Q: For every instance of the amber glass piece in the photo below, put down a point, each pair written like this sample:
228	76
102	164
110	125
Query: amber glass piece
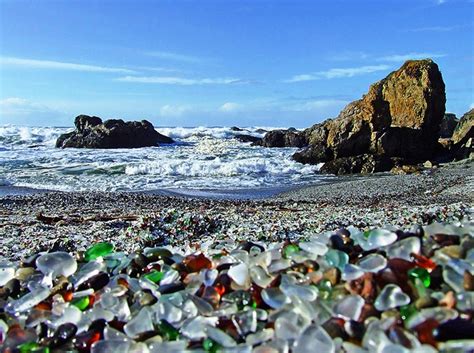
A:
196	263
425	332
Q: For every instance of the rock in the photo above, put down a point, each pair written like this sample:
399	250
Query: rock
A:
312	153
318	133
284	138
363	164
405	169
463	136
465	128
248	138
447	126
235	128
410	144
91	132
82	122
398	118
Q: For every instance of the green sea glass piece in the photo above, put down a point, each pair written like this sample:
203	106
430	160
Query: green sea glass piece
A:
407	311
154	276
325	288
32	347
421	274
210	346
97	250
168	331
289	250
81	303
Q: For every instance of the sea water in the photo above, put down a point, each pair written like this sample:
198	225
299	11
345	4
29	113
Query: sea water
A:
201	158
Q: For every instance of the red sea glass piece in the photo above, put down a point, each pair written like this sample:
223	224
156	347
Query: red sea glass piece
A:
68	295
423	261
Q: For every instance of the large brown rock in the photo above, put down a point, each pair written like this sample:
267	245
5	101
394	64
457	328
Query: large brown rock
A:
399	117
91	132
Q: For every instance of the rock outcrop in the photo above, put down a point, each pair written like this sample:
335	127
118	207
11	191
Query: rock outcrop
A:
464	129
463	137
448	125
284	138
91	132
397	121
248	138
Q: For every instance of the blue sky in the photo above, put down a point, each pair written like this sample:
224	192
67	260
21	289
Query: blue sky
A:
189	63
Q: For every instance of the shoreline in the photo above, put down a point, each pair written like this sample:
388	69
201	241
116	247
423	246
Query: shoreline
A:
326	253
37	222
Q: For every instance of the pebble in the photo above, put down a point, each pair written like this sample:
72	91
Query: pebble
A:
223	296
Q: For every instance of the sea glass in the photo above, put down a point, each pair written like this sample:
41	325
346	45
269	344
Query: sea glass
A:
98	250
56	264
391	296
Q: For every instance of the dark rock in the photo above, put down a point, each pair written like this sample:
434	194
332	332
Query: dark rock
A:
463	137
235	128
248	138
91	132
464	129
313	154
363	164
405	143
284	138
447	126
83	122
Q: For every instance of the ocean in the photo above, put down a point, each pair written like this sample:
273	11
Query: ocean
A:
203	159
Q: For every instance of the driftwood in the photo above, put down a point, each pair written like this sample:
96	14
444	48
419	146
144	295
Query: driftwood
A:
51	220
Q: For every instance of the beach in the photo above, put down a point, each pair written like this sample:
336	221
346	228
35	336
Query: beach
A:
362	264
36	222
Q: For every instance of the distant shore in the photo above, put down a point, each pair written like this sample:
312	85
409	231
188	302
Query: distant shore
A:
40	221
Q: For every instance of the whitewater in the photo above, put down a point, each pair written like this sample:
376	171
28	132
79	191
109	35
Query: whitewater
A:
202	158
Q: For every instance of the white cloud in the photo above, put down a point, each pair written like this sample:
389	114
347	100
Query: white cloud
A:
15	106
170	80
15	110
339	73
169	110
410	56
175	56
58	65
229	107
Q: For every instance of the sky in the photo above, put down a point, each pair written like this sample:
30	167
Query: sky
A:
221	62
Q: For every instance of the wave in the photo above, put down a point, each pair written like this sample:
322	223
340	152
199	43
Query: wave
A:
206	158
17	136
184	133
218	167
12	136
